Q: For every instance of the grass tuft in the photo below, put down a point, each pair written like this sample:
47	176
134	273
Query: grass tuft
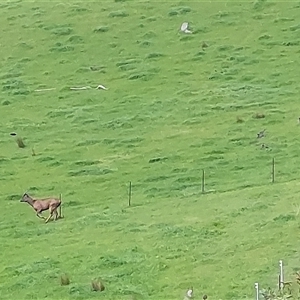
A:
75	39
91	171
60	31
64	279
97	285
60	47
20	142
101	29
154	55
179	10
5	102
239	120
118	14
157	159
259	116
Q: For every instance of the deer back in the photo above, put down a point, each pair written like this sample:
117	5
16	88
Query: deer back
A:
44	204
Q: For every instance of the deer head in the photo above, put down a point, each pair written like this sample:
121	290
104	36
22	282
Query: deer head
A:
25	198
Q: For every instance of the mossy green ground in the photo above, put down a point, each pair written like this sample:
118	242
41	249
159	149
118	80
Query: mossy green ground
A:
168	97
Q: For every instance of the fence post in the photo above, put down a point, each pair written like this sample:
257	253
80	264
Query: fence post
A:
60	216
273	170
129	194
281	279
203	182
256	291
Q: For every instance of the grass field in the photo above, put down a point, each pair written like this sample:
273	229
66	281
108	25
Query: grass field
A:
173	108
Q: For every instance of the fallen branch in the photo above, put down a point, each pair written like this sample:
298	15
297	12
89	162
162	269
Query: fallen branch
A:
80	88
43	90
100	86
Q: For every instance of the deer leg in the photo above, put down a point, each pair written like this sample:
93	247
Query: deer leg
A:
56	214
51	210
49	217
40	216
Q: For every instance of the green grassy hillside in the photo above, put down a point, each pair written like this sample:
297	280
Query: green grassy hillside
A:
175	104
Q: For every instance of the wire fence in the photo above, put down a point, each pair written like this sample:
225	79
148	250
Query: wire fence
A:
223	177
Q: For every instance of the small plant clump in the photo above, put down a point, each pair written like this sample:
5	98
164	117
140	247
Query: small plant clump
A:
64	280
239	120
97	285
20	142
259	116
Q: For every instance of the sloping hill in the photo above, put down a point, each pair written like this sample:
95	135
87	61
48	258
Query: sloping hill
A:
176	104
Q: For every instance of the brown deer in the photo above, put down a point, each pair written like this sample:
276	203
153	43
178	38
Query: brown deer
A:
40	205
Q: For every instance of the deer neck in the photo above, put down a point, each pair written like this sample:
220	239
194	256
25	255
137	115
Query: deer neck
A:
30	201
